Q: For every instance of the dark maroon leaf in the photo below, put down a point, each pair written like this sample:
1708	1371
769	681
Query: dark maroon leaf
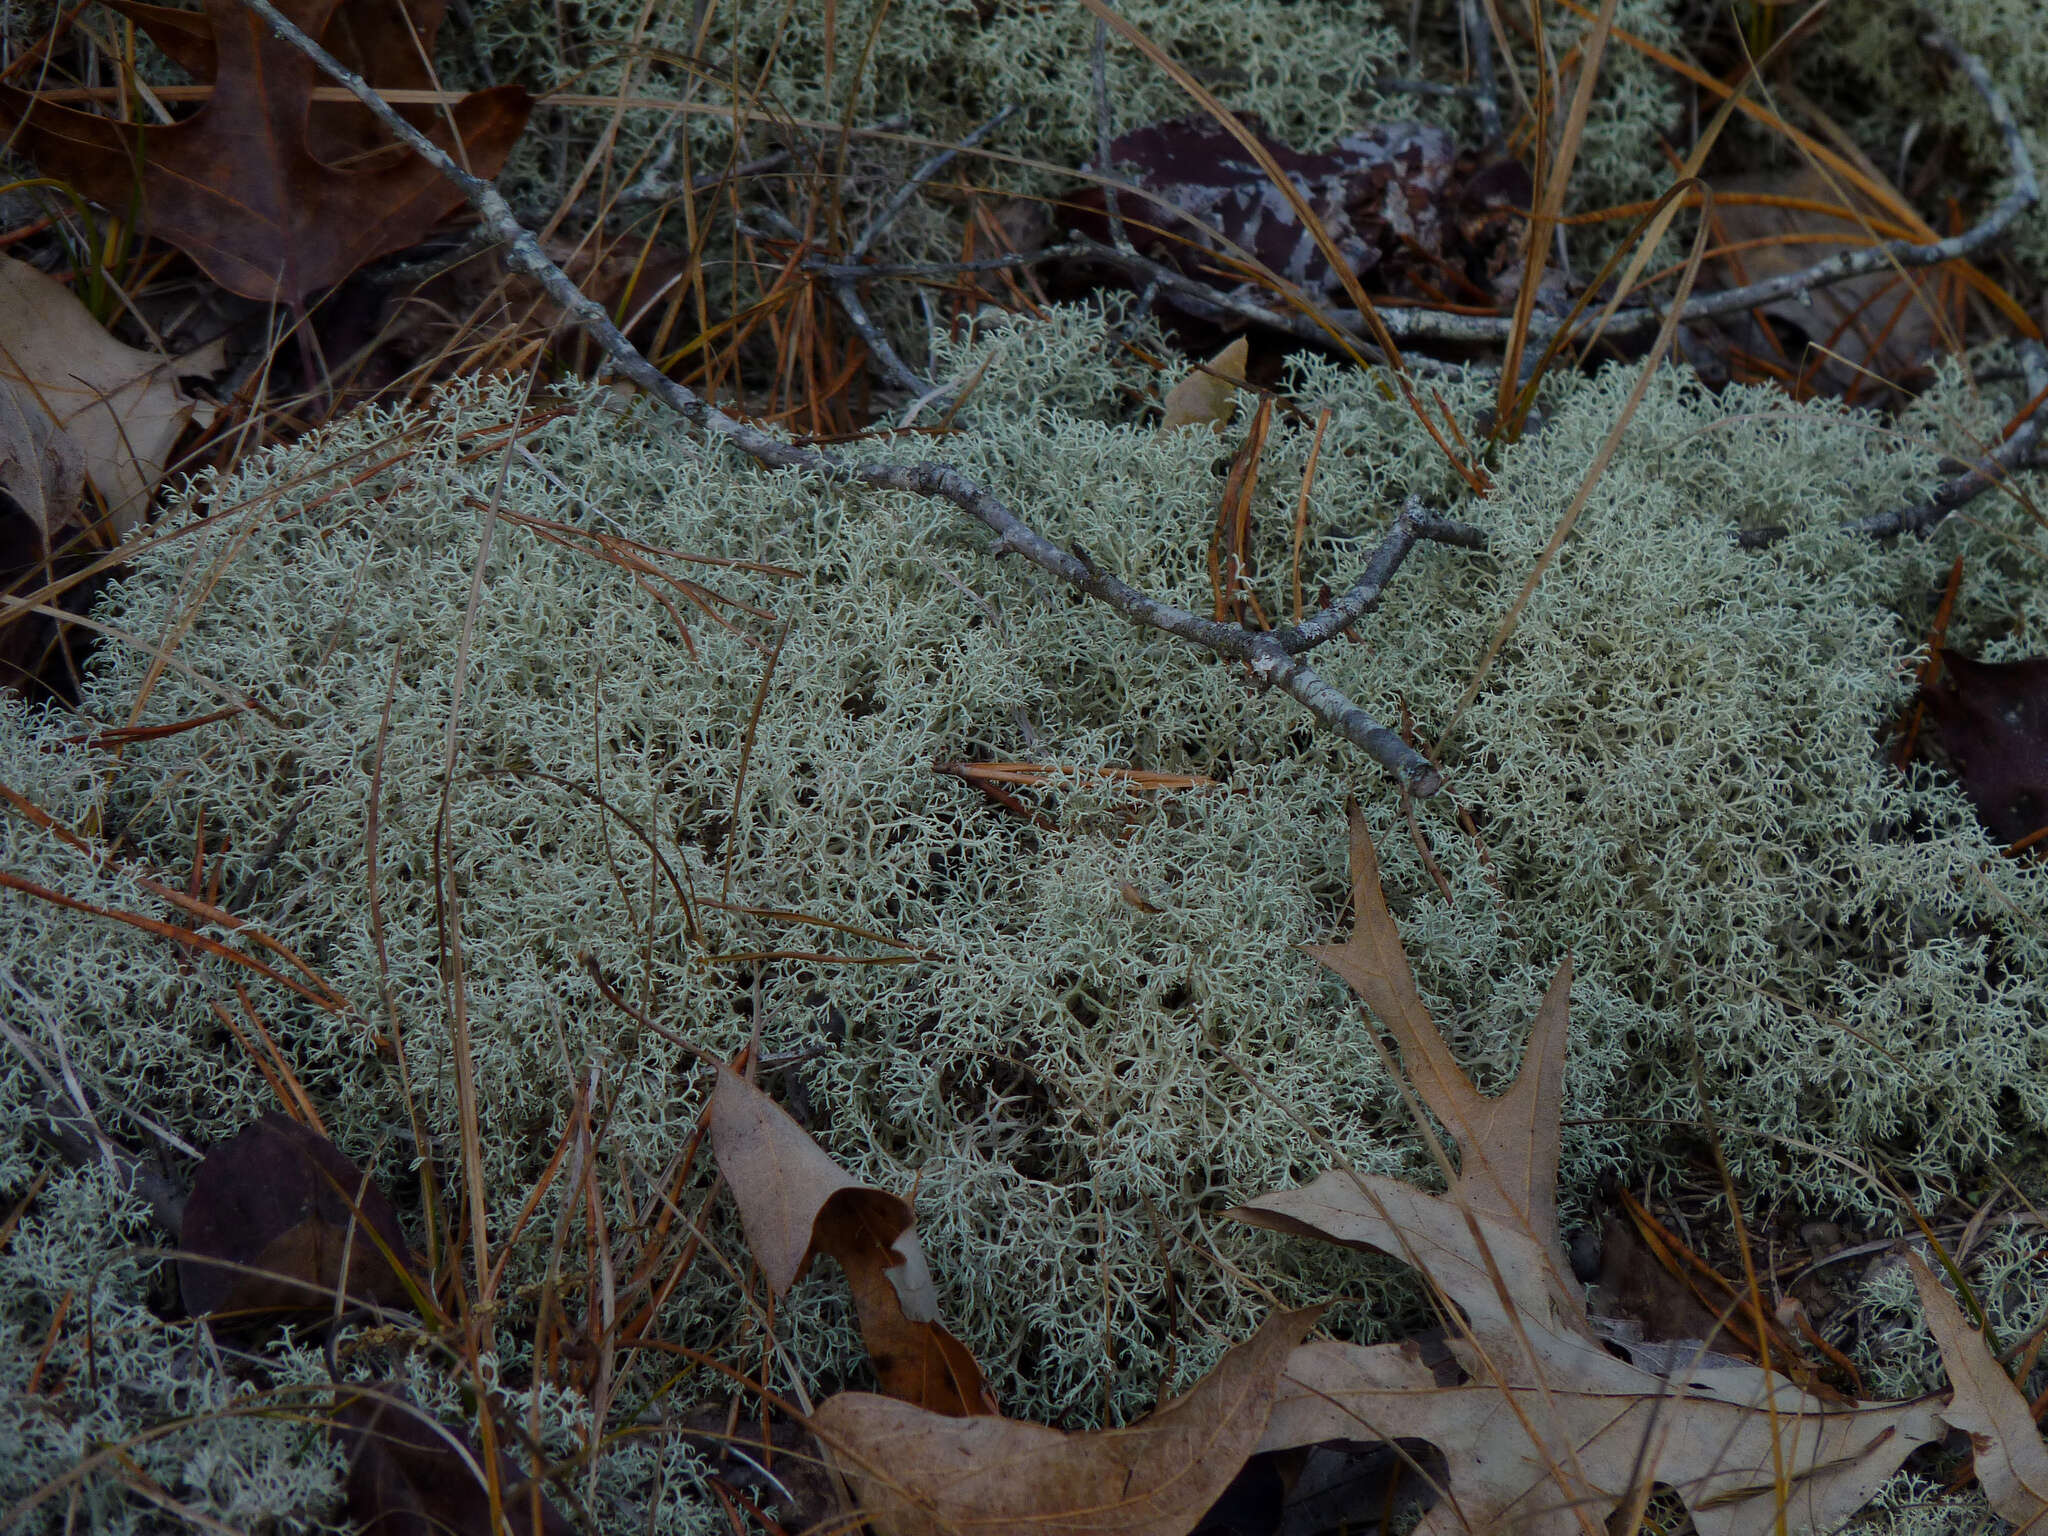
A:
409	1475
273	1211
1989	721
1395	199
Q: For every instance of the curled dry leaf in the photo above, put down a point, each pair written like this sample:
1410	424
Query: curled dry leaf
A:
41	470
2012	1463
1206	396
921	1474
1549	1432
795	1201
275	1212
277	198
121	408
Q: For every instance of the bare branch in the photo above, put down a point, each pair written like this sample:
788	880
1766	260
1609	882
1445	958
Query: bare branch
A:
1410	528
847	292
1105	128
1486	91
1994	469
1428	325
893	209
2016	453
1263	654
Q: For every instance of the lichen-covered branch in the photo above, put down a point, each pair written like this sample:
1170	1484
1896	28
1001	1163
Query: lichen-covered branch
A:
1267	659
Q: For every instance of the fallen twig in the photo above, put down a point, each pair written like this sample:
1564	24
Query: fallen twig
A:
1105	131
1430	325
847	276
1263	654
1485	91
2015	453
893	209
1411	527
2018	452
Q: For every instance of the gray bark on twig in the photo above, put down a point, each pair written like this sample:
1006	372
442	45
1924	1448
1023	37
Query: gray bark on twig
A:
1262	653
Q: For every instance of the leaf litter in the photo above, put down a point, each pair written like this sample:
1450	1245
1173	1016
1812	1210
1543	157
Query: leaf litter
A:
274	195
282	1223
1988	721
795	1202
2011	1461
411	1476
1549	1432
1540	1421
278	1216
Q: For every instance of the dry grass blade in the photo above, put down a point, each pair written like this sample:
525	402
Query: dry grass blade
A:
1555	179
1595	471
1229	547
919	1474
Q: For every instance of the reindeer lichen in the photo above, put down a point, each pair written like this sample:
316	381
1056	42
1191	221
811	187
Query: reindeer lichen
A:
1076	1038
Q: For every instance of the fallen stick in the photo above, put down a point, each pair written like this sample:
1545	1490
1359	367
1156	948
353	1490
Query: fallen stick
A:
1268	660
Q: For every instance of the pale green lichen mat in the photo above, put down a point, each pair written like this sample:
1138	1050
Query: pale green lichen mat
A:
1675	772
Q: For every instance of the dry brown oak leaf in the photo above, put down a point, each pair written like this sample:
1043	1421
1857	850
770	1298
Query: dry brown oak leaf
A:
795	1202
920	1474
2011	1461
98	410
1548	1433
275	196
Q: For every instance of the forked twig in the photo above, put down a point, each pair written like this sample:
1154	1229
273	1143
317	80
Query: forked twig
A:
1270	662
